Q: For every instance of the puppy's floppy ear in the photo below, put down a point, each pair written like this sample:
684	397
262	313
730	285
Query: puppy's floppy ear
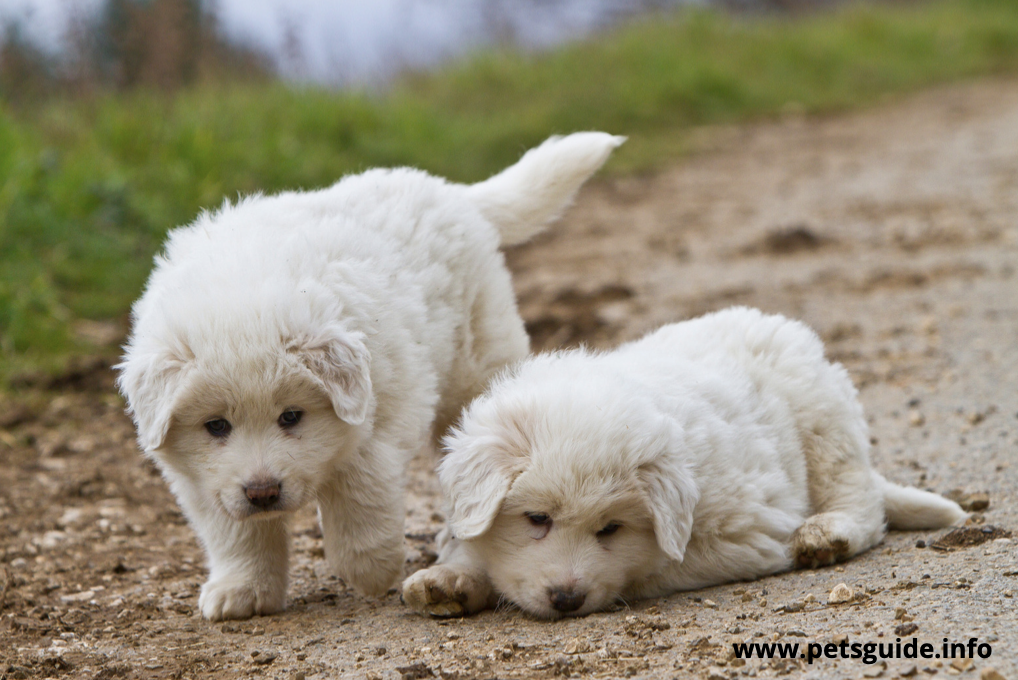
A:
672	495
476	474
340	364
152	384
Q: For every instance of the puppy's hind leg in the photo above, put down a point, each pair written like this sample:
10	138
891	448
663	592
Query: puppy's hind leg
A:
456	586
848	504
846	498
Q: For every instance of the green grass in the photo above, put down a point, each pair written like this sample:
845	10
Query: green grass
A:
88	188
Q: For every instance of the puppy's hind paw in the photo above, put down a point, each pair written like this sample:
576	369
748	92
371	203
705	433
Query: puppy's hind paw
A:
225	599
446	591
815	545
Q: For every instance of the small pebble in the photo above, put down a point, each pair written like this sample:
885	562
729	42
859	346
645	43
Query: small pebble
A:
505	652
976	502
840	594
990	674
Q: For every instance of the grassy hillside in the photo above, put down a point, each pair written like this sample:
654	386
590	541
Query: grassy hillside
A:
88	188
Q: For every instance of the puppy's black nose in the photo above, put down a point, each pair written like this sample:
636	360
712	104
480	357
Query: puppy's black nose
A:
262	494
566	599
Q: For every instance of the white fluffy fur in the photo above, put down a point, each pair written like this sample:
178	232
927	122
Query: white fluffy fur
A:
376	307
724	448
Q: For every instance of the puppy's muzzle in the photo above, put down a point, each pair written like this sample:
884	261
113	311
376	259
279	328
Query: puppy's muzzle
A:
566	600
263	495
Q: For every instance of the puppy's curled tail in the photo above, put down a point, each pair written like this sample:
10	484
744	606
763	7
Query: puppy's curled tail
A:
909	508
524	198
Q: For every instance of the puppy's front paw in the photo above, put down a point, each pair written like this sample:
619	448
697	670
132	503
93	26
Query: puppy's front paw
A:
445	591
815	544
225	599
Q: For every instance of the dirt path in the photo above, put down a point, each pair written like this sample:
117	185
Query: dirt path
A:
894	233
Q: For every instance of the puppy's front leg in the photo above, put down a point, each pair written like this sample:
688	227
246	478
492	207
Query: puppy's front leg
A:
361	512
248	563
457	585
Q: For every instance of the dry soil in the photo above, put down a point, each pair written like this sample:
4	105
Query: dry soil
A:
893	232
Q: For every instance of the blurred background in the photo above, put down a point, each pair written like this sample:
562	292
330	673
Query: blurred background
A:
120	119
337	44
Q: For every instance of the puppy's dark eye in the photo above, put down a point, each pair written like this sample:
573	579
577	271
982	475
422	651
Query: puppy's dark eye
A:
609	529
289	417
218	427
538	519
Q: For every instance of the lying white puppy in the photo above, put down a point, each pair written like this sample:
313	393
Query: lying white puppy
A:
302	347
715	450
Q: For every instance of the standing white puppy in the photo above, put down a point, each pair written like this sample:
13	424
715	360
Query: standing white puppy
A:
719	449
302	347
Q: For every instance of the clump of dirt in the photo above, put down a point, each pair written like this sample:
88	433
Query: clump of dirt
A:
795	238
13	415
83	374
968	537
573	317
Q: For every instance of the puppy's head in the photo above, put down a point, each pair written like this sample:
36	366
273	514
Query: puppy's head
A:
568	489
246	408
